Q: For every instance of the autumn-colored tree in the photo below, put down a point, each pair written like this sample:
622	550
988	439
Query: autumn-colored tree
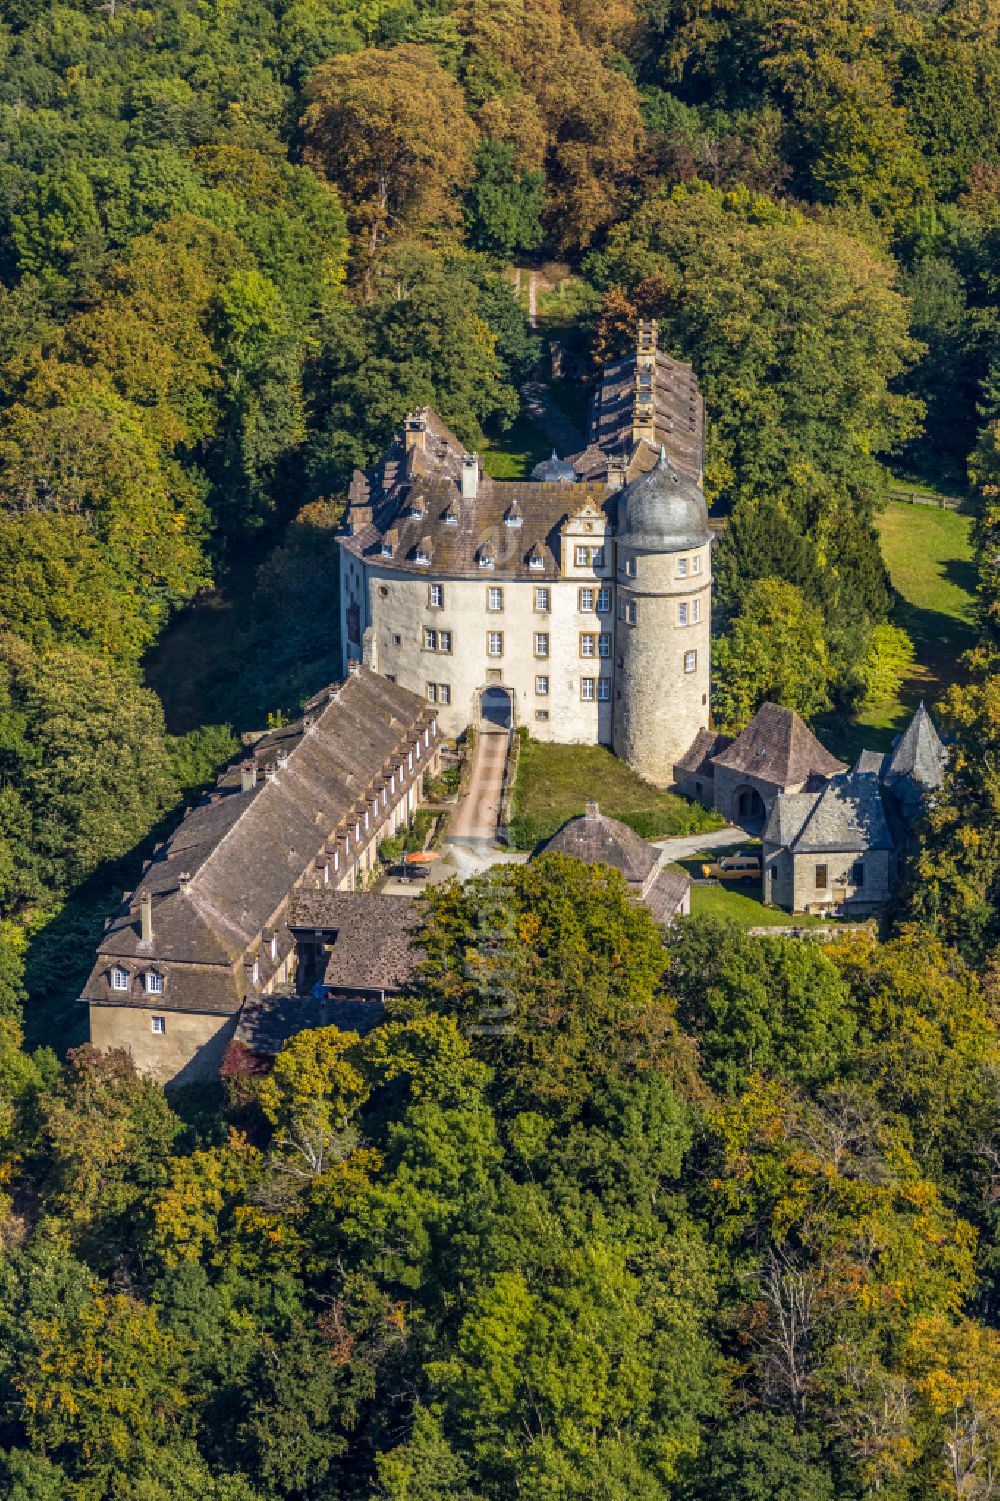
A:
392	131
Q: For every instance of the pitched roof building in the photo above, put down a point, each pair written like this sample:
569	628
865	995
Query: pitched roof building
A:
594	837
208	923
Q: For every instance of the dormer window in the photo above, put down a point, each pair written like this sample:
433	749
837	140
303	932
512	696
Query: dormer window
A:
255	972
386	548
535	559
153	982
450	516
119	978
336	859
422	551
487	556
357	831
513	516
417	506
274	945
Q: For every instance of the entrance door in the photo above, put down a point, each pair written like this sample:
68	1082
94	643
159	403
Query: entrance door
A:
497	708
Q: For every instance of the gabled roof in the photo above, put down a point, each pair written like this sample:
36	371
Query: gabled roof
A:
372	942
847	815
234	859
919	754
594	837
778	747
698	758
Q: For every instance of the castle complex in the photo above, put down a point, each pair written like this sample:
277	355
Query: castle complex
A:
577	603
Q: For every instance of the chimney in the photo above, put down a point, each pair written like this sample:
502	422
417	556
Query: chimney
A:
146	918
415	432
470	476
593	810
248	775
617	473
353	667
183	879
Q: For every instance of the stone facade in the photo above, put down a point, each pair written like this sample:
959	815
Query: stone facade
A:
592	627
210	922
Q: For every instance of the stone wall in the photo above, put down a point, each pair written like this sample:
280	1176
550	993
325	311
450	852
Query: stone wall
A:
790	880
660	707
190	1049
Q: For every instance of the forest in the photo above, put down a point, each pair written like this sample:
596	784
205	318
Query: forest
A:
712	1216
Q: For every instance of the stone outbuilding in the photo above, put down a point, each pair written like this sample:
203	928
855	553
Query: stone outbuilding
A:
597	839
741	778
842	846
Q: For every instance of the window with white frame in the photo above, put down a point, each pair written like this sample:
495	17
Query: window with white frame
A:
543	599
541	643
583	557
682	613
588	689
597	557
366	820
586	600
628	567
255	972
603	690
444	641
437	596
627	611
695	611
604	644
153	982
357	831
409	761
682	568
158	1025
494	643
541	714
536	561
542	686
444	693
430	638
696	564
494	598
336	859
274	945
603	601
432	693
119	978
690	661
588	644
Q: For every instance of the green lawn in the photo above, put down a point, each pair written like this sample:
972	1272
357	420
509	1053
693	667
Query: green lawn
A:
739	901
555	781
513	454
928	553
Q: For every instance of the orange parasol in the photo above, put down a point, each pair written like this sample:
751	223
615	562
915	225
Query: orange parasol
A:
422	857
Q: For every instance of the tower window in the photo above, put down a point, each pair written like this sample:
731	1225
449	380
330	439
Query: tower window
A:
627	611
541	643
682	614
682	568
582	557
587	689
696	564
690	661
695	610
494	643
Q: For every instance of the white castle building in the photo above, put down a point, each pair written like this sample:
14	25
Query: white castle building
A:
577	603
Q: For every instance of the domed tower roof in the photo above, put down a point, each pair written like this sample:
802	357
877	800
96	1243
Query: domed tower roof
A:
662	511
554	471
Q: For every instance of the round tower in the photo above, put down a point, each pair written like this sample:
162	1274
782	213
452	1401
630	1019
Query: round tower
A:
664	619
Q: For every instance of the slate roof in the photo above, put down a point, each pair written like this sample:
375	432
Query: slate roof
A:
665	896
662	511
678	417
267	1022
870	760
849	814
919	754
778	747
592	836
373	944
697	760
231	863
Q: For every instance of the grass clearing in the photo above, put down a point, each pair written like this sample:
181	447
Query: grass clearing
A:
739	901
928	553
514	453
554	782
